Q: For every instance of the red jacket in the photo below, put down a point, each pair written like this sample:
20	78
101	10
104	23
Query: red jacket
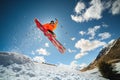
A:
49	26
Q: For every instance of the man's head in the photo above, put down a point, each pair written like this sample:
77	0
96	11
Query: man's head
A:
52	22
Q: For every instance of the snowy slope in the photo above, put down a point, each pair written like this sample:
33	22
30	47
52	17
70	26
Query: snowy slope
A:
117	67
7	58
106	49
109	54
37	71
45	72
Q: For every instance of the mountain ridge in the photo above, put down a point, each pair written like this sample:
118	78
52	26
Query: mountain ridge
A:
109	54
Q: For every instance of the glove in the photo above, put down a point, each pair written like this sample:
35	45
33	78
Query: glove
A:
56	19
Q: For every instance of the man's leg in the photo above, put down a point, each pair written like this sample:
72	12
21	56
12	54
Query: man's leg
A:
52	33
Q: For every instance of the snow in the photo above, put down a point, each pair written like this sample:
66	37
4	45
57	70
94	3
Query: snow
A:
31	70
117	66
39	71
111	44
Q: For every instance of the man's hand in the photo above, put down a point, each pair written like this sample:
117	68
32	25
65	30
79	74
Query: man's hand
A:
56	19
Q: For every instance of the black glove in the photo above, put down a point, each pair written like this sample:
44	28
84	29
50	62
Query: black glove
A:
56	19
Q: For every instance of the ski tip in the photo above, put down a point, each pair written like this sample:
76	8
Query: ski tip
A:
36	20
63	51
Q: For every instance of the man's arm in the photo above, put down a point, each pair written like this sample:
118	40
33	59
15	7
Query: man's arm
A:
55	25
56	21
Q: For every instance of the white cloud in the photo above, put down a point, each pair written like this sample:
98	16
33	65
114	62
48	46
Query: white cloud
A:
79	7
83	65
46	44
39	59
93	12
86	45
33	52
104	35
73	38
116	7
107	4
42	51
73	64
82	32
79	55
64	66
71	51
104	25
91	31
77	18
111	41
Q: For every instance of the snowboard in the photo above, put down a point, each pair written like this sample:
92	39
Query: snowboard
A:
51	37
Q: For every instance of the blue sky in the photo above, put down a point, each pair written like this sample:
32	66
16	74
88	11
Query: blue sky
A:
85	27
